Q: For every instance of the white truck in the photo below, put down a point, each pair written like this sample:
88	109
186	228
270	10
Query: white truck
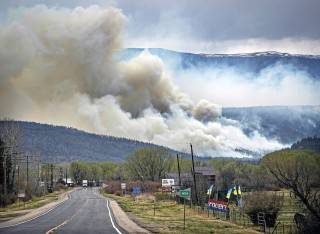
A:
84	183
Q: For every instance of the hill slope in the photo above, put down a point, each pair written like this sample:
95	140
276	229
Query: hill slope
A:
287	124
62	144
253	62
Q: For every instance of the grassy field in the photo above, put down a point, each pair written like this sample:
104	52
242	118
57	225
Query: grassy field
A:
20	208
168	217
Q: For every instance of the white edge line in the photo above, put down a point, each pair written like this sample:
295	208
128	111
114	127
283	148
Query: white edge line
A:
112	219
59	204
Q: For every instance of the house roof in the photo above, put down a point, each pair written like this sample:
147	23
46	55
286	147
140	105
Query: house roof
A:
204	171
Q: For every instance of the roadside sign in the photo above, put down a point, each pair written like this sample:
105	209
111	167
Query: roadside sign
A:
21	195
136	191
185	193
167	182
123	186
217	205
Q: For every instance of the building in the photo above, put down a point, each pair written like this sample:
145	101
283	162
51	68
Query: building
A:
205	177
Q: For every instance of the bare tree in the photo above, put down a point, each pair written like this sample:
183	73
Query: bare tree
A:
300	173
9	136
149	163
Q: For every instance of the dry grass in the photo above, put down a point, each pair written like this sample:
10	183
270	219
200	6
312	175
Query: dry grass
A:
168	217
20	208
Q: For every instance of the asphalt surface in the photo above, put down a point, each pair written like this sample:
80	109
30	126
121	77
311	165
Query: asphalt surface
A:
86	211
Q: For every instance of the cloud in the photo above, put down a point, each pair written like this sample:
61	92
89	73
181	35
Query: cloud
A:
65	72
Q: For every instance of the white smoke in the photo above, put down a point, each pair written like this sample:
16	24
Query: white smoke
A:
58	66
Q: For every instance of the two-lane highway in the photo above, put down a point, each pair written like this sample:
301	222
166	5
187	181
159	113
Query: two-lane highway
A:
86	211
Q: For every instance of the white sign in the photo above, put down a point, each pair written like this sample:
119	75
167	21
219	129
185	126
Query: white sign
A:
21	195
167	182
123	185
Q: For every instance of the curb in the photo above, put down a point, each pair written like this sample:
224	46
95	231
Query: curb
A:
122	219
38	212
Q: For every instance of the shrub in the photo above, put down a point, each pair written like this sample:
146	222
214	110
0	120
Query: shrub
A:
164	196
7	199
268	203
112	187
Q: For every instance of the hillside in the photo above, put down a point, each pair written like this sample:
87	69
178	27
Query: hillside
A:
287	124
62	144
253	62
309	143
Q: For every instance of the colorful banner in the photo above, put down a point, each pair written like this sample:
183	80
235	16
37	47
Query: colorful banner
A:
214	204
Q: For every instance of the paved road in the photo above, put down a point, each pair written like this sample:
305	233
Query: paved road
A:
86	211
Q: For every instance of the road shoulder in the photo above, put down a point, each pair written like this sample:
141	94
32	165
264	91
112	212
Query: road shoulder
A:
122	219
35	213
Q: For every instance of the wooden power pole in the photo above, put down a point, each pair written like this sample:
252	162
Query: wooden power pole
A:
179	170
194	175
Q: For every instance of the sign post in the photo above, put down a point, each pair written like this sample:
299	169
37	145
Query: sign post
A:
184	213
21	196
123	188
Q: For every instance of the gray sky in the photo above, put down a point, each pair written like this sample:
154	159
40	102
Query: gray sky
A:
225	26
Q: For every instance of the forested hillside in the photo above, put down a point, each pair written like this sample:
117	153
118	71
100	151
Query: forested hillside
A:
63	144
309	143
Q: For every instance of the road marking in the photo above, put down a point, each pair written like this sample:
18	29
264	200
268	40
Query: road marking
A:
13	225
65	222
55	228
112	219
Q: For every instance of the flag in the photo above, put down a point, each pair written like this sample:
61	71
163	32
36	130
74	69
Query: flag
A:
235	192
239	190
229	193
210	190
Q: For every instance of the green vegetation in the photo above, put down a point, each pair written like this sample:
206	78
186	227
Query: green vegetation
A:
96	171
268	203
149	164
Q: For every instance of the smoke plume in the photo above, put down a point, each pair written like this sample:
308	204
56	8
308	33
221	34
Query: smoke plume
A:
59	66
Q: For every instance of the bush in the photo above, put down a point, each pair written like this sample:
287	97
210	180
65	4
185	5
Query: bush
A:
60	186
7	199
164	196
112	187
266	202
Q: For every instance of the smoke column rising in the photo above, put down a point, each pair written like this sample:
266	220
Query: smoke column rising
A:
58	66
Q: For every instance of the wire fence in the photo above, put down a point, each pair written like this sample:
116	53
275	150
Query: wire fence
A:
239	217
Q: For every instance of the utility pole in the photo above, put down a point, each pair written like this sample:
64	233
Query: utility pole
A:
179	170
18	178
4	164
51	177
67	176
194	175
27	170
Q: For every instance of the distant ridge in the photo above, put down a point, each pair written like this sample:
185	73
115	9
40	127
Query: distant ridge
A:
309	143
253	62
64	144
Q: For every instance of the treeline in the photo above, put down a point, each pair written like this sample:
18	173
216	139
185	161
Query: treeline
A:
309	143
100	171
62	144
